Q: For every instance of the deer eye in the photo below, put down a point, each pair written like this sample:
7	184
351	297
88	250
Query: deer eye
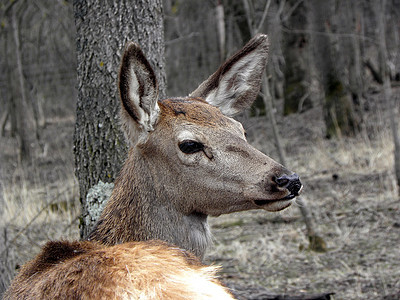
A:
190	147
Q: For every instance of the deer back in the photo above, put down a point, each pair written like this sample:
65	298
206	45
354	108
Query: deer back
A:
136	270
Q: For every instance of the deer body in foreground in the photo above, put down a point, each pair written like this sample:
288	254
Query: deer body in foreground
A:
135	270
188	159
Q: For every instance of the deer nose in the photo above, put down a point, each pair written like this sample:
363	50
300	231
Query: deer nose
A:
291	183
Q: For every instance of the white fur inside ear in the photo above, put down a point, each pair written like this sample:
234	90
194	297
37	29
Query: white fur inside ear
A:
155	112
134	92
146	120
235	82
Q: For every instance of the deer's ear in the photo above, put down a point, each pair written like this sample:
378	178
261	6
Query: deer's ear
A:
235	85
138	90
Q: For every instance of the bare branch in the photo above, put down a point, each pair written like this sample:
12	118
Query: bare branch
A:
291	10
7	8
264	16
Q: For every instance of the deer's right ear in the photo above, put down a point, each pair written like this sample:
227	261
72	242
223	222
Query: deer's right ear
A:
236	84
138	90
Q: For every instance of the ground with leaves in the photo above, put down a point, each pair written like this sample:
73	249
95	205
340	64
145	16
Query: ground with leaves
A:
349	186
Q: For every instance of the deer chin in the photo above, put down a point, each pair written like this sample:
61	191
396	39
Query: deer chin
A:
260	200
275	205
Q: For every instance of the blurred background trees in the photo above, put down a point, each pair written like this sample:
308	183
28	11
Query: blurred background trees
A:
38	64
322	53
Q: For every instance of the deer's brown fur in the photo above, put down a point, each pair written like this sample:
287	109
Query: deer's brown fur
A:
135	270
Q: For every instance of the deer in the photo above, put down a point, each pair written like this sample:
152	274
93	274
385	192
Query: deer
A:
188	159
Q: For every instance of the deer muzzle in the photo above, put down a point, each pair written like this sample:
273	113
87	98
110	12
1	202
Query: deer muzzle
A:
291	183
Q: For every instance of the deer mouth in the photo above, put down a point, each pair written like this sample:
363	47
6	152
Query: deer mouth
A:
275	205
294	192
264	202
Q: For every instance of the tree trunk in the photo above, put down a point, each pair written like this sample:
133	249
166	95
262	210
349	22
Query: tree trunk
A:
383	57
395	128
316	242
296	83
219	14
270	112
339	115
356	80
3	121
20	100
103	28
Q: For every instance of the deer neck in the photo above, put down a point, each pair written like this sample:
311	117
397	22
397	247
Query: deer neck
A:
140	209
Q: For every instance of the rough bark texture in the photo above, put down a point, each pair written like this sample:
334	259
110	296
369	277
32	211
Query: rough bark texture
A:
103	28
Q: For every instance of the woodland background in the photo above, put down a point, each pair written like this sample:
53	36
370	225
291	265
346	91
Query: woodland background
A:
329	110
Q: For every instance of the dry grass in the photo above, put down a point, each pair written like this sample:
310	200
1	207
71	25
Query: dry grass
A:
38	201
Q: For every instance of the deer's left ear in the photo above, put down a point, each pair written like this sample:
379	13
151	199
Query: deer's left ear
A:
138	91
235	85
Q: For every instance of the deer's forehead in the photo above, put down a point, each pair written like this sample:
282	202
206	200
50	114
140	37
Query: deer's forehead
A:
193	111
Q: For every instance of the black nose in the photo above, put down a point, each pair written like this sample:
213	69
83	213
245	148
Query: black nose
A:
290	182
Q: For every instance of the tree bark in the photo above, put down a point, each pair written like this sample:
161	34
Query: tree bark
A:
296	83
219	14
270	112
356	80
387	89
339	115
395	129
103	28
3	120
20	100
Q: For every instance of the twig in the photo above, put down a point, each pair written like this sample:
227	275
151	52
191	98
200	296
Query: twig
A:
260	25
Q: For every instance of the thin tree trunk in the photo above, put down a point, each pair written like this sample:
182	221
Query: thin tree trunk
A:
219	11
295	85
356	80
383	57
395	128
3	120
316	242
37	109
339	115
103	28
20	102
271	116
12	110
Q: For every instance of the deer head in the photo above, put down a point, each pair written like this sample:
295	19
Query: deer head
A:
189	158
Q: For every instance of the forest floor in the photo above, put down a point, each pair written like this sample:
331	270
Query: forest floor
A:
349	185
